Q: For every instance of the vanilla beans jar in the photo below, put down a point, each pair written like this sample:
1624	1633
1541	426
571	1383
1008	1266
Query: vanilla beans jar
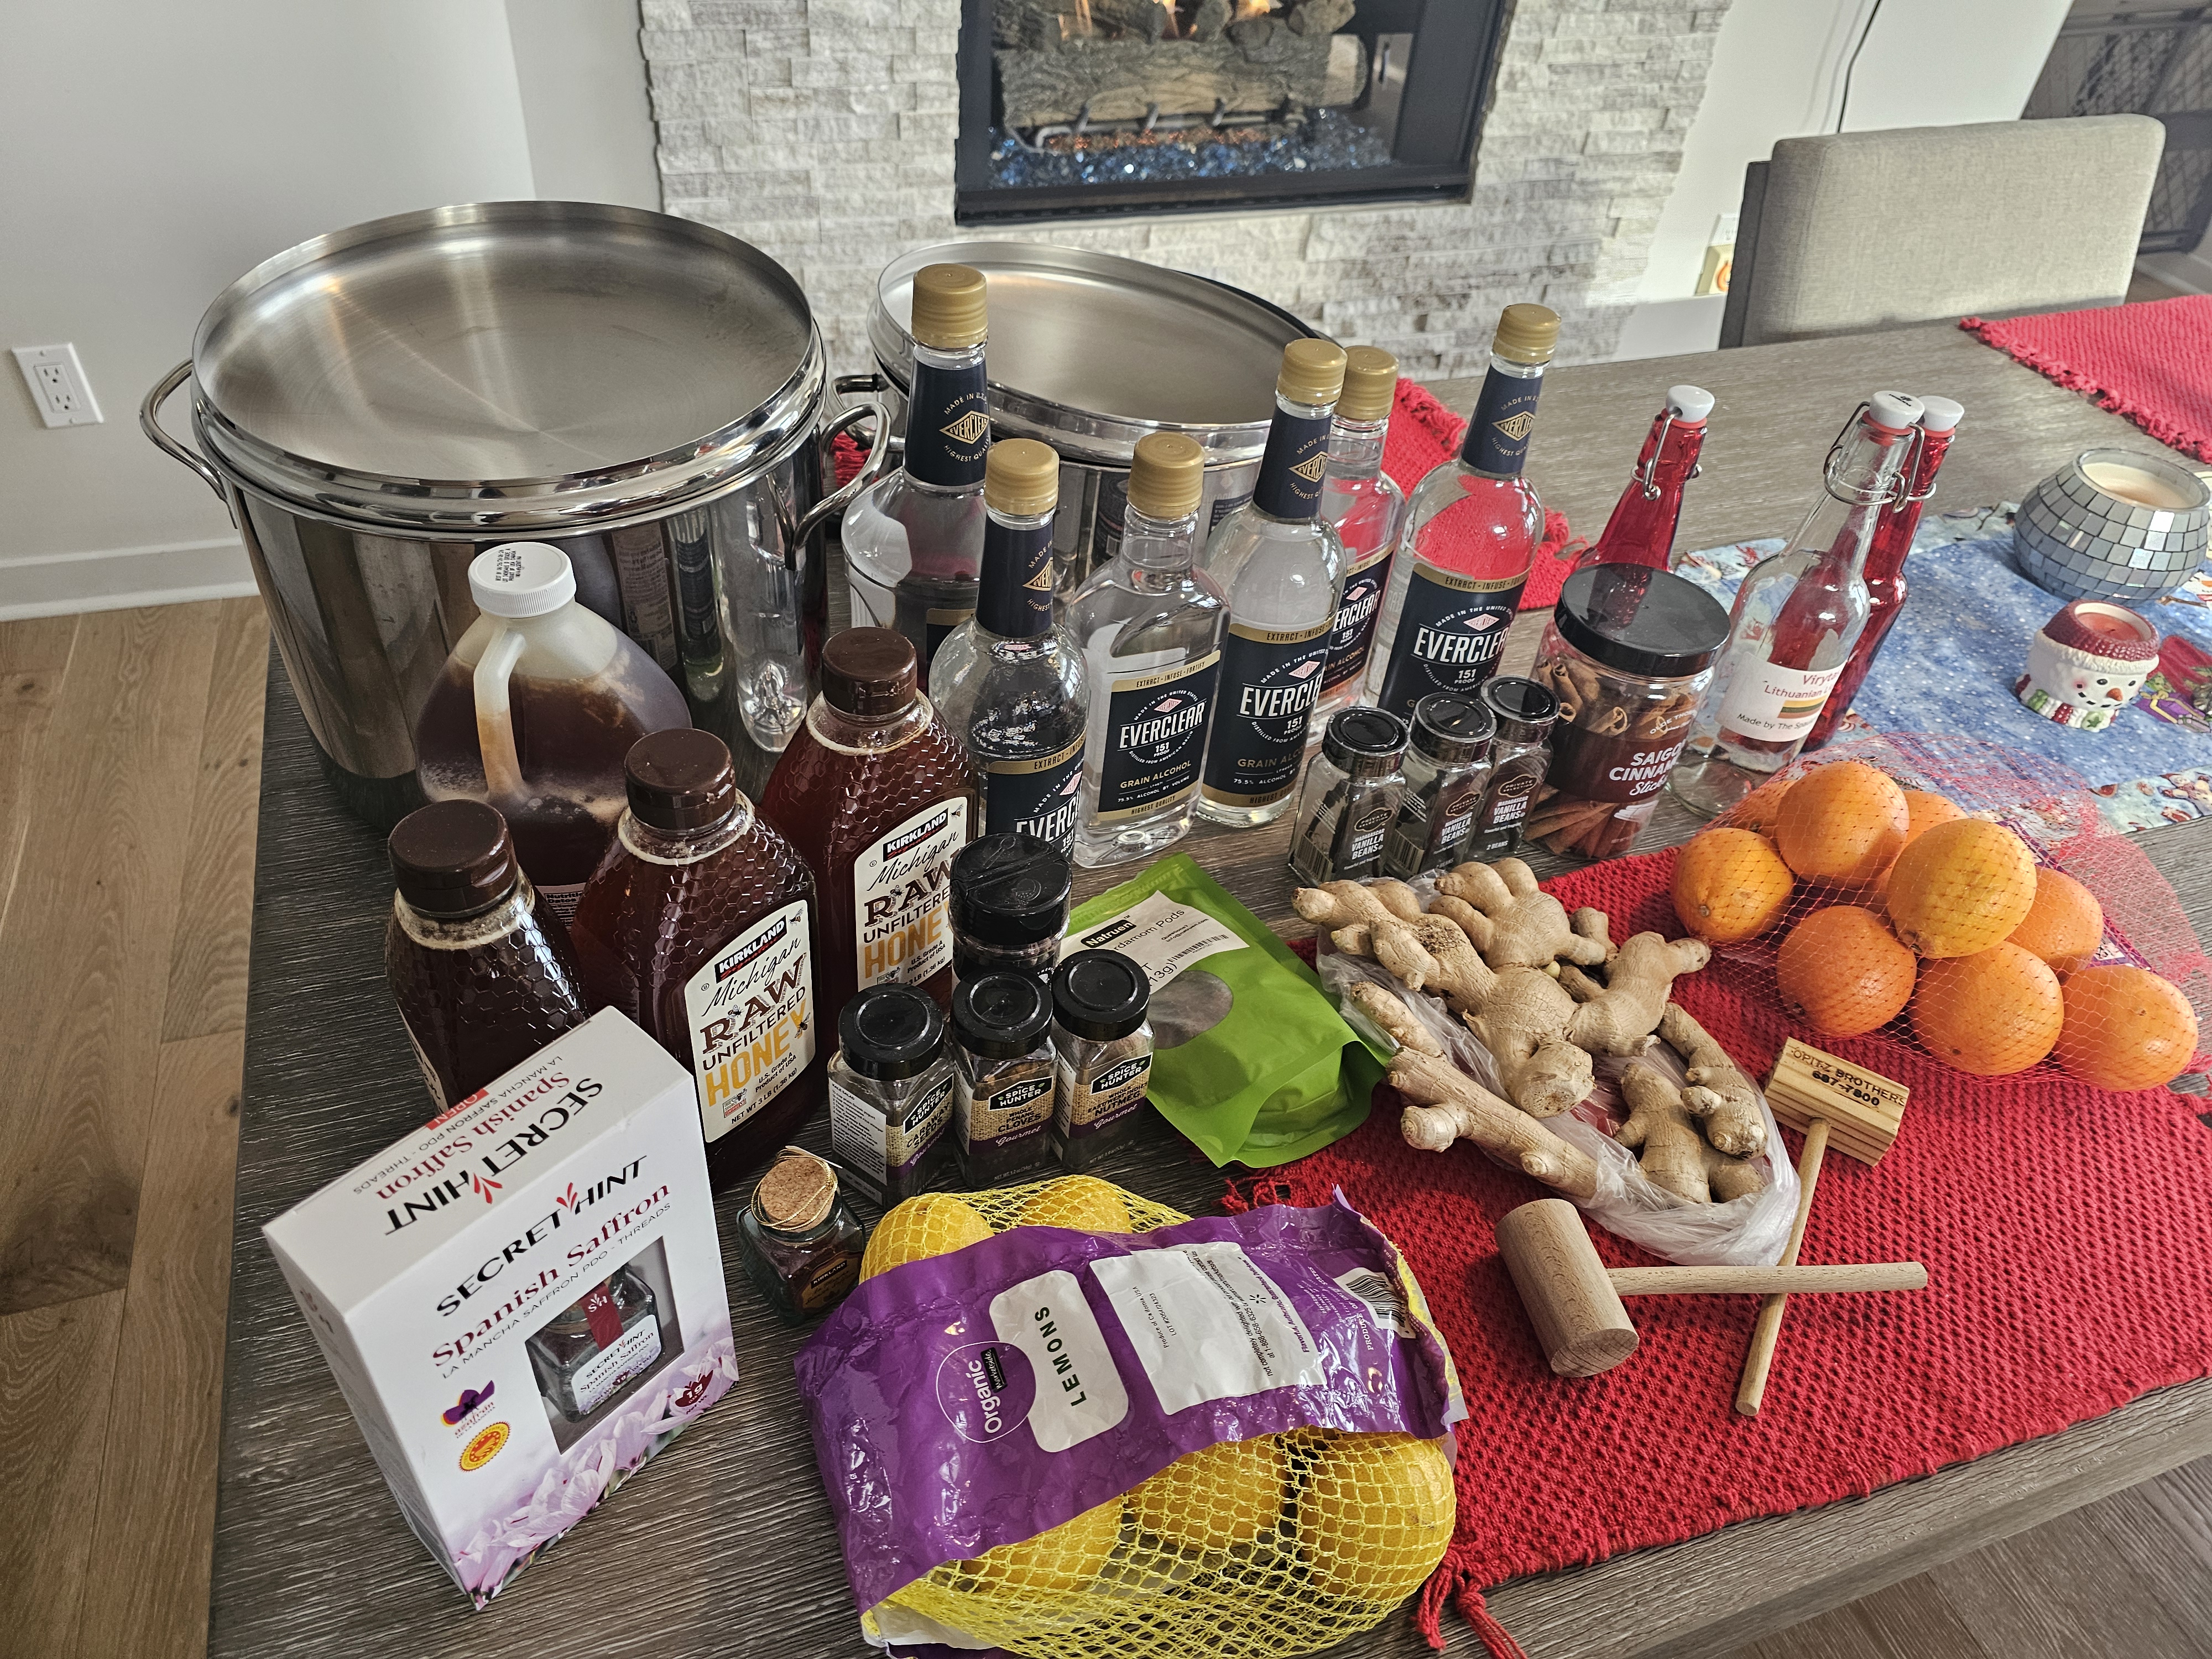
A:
1629	651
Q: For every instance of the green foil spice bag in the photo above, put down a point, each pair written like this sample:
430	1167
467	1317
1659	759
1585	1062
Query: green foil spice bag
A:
1252	1063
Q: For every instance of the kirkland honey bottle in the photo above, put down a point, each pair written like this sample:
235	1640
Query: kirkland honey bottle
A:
698	926
877	798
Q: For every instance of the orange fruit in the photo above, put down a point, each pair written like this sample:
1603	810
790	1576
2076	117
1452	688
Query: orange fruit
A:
1924	811
1757	811
1729	885
1842	822
2126	1028
1961	888
2065	924
1992	1013
1842	972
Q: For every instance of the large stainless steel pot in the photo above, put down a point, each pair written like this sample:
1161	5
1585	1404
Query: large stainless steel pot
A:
378	406
1088	353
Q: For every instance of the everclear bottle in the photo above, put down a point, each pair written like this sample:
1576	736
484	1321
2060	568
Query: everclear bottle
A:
914	541
699	926
1472	531
1796	617
1150	629
1368	510
1282	569
1008	684
1642	528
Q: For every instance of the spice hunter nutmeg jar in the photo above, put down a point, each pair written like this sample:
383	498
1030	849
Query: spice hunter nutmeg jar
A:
1628	654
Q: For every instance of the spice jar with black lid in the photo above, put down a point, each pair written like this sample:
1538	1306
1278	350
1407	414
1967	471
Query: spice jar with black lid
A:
1446	763
1009	906
1002	1062
801	1243
1628	654
1520	755
890	1090
1350	797
1102	1053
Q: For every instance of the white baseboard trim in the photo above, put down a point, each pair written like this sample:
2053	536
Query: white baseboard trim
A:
119	578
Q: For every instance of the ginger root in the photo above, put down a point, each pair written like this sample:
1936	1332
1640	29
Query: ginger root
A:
1394	1017
1374	920
1451	1106
1619	1017
1513	922
1674	1155
1719	1094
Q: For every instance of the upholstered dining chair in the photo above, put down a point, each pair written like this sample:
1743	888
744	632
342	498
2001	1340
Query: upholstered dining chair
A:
1858	231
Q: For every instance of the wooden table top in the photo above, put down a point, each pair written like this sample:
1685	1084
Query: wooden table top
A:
723	1544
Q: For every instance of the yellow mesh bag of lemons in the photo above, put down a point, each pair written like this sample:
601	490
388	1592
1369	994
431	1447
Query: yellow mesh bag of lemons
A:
1278	1545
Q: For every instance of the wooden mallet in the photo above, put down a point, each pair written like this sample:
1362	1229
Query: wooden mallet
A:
1573	1299
1829	1102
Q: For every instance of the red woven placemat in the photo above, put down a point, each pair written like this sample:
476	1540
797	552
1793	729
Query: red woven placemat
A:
2064	1232
2151	362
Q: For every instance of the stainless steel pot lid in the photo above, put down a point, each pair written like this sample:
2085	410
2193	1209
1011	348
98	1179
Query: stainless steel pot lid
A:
506	366
1090	352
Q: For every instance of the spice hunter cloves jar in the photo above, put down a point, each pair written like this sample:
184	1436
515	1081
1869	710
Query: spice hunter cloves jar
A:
1628	654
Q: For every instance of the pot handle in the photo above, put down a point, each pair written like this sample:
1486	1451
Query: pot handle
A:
150	423
879	455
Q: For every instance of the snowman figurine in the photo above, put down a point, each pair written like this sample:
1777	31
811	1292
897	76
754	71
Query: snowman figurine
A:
2088	663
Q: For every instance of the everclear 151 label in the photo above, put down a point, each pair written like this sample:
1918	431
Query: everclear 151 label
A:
752	1013
900	930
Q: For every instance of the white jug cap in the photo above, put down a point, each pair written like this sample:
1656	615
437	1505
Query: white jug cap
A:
522	579
1689	402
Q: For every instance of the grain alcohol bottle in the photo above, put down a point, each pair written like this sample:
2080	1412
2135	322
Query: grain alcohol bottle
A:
1008	684
1281	569
1150	627
1472	532
1368	510
914	541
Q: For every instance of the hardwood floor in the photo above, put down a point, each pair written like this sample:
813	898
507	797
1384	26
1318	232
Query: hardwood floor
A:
130	759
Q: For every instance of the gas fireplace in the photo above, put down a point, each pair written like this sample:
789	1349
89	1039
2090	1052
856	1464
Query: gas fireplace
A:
1096	107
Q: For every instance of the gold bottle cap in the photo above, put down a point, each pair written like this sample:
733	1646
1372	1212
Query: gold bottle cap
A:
1021	477
1526	334
797	1192
1168	477
948	307
1313	372
1371	380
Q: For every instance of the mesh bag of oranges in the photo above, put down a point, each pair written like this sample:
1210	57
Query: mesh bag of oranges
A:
1934	891
1063	1421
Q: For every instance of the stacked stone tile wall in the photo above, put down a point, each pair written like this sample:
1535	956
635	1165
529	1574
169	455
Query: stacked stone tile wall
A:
823	131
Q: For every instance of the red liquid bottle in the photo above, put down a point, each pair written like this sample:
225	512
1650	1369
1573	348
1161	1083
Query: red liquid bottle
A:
1642	528
877	798
698	926
1885	564
480	969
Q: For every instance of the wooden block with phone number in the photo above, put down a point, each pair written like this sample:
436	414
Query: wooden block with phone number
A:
1863	1108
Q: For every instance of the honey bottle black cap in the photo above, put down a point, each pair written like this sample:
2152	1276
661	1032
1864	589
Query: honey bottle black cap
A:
1010	890
1100	995
890	1031
453	858
681	778
1000	1016
870	672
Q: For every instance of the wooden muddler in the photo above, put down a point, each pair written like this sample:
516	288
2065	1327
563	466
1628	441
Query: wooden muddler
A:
1574	1300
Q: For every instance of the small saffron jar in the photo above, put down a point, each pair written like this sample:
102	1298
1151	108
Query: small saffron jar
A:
2088	663
801	1243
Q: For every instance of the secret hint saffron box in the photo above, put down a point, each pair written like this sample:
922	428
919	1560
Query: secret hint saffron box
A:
523	1301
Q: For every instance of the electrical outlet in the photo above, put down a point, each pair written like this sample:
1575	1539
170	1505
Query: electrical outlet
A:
58	384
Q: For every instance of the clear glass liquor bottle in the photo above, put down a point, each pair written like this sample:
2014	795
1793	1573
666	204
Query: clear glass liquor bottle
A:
1150	627
1368	510
913	540
1281	569
1472	532
1796	617
1008	683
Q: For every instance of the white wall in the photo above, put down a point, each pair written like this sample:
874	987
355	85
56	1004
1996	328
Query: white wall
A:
1778	73
156	150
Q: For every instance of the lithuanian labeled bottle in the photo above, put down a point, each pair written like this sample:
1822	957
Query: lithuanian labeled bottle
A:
1282	570
1472	532
1368	510
1642	528
700	928
877	798
1008	684
1150	627
1884	561
1796	616
914	541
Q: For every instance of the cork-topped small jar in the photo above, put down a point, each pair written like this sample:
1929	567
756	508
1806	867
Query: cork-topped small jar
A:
799	1241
